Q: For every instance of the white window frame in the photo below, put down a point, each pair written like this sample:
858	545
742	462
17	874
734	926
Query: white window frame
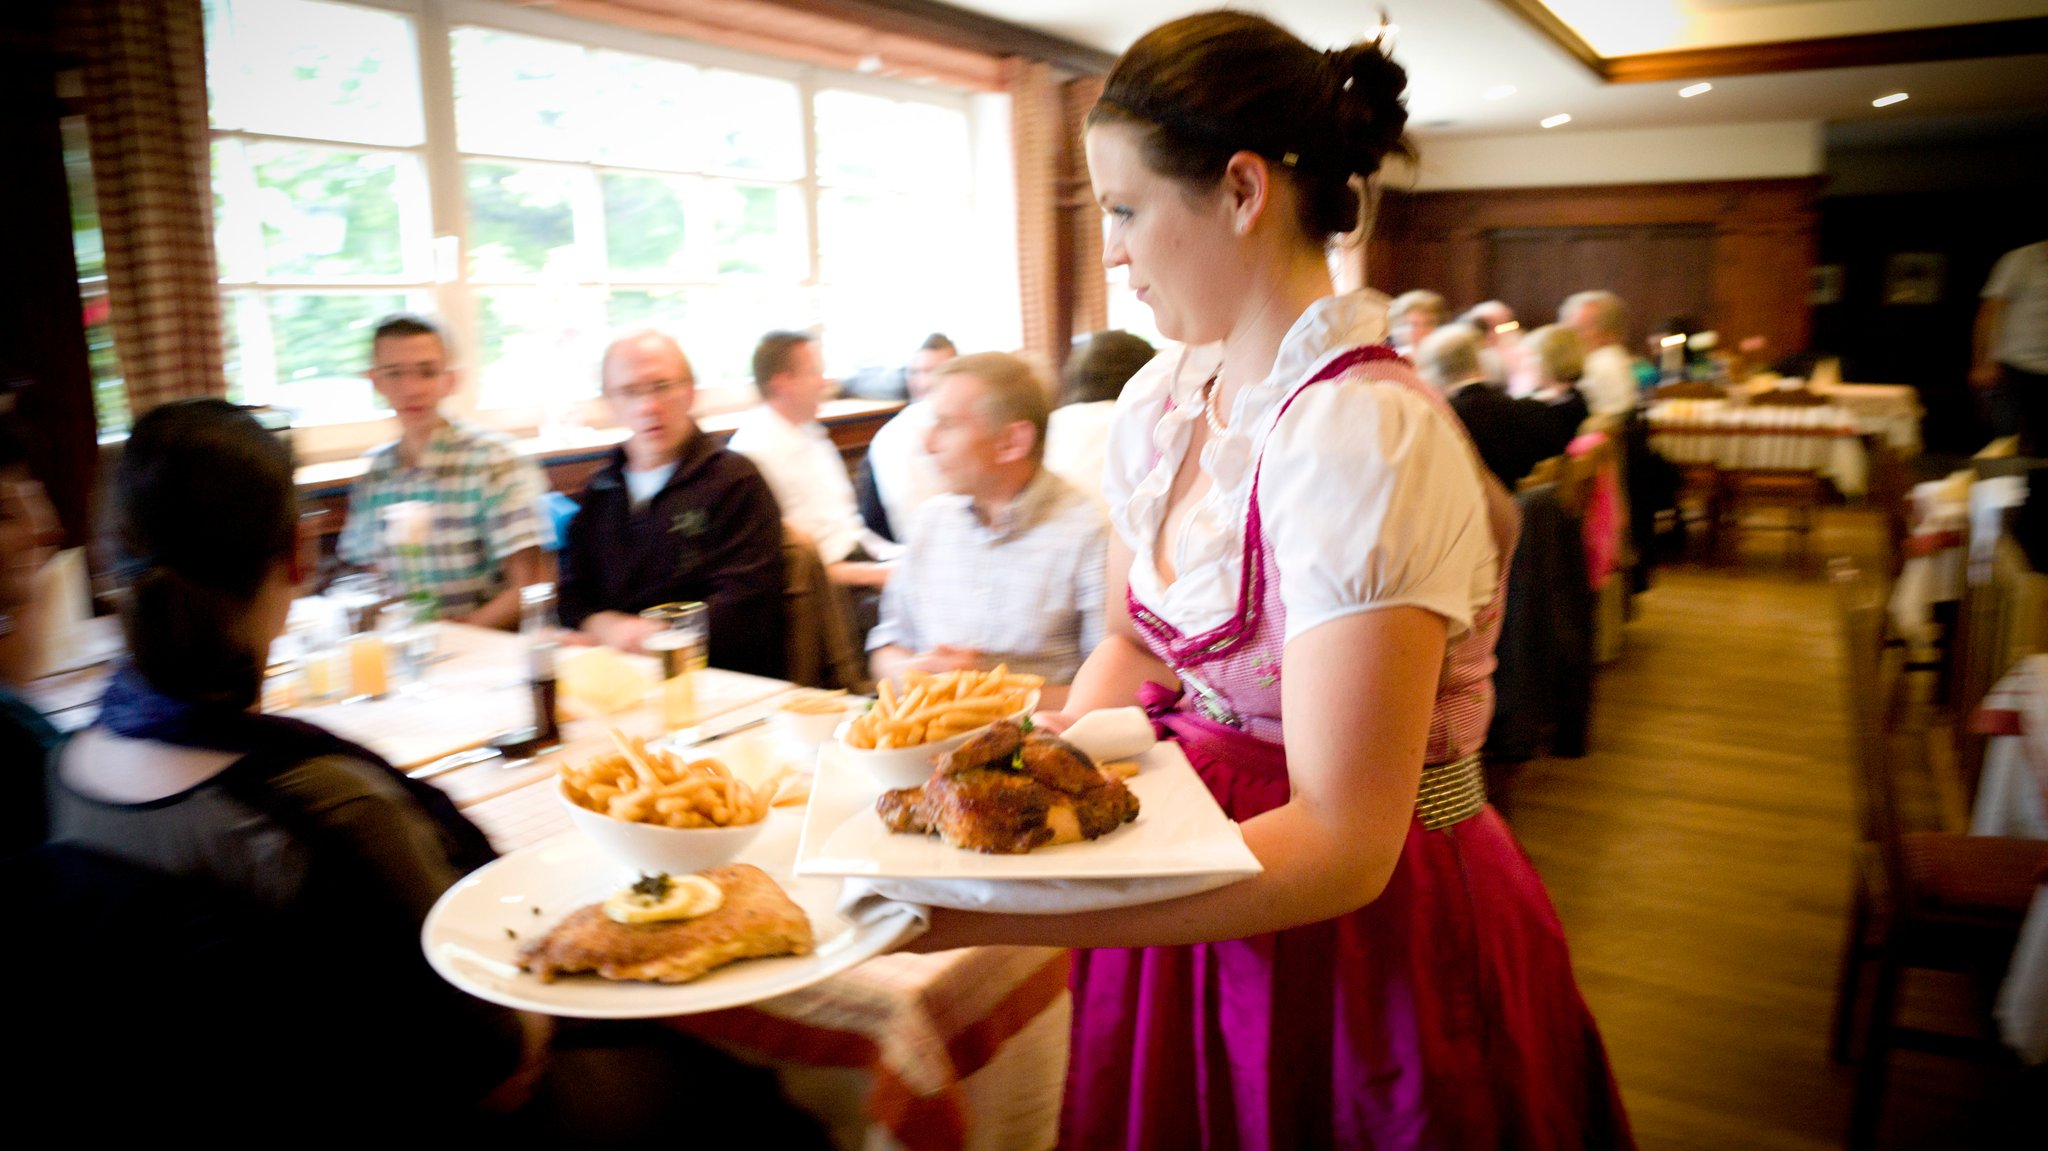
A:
454	292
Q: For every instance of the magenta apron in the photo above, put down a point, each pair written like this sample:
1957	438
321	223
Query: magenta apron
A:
1441	1015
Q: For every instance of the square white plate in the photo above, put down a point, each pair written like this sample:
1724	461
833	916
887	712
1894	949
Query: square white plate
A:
1179	831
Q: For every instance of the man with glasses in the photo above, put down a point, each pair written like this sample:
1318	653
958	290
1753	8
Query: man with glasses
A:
480	534
673	517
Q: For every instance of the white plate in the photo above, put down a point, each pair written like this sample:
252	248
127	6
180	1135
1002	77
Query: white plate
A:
1179	831
467	941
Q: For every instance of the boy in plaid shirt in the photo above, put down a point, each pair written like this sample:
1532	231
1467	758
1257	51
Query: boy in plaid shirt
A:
483	529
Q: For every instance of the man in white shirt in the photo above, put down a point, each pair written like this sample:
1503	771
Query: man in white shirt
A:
2011	345
1008	568
904	475
803	467
1601	320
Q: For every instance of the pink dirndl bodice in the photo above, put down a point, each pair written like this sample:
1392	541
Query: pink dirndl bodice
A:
1441	1015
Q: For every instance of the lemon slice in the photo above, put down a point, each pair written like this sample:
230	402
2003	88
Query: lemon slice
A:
658	898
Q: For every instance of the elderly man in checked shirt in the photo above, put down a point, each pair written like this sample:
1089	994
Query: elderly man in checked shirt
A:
1008	567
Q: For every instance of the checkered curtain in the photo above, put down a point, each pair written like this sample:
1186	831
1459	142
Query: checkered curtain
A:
1083	219
144	64
1036	125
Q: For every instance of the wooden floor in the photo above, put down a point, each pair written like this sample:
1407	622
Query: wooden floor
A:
1699	857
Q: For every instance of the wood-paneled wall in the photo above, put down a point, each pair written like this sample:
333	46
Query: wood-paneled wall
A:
1763	243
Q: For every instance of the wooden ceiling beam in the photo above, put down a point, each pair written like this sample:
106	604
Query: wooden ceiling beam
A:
2022	37
1919	45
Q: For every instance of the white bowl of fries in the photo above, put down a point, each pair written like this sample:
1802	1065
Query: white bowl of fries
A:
807	719
895	741
655	811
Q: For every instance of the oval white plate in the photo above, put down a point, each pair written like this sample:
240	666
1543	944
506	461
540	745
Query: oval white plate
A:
475	931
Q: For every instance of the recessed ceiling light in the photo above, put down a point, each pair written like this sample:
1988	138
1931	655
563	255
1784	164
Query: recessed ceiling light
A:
1554	121
1887	101
1695	90
1500	91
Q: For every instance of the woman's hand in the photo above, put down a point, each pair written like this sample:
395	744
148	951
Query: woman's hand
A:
1055	722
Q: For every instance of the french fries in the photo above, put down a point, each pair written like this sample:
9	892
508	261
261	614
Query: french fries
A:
657	787
935	707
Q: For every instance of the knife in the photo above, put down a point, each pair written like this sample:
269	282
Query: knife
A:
449	763
692	736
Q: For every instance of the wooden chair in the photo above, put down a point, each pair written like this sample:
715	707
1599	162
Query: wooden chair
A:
1799	397
820	647
1923	901
1689	390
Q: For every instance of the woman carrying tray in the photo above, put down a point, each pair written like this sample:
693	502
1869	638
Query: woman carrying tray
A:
1306	581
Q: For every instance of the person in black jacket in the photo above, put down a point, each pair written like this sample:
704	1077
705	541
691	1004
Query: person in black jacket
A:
1511	434
674	517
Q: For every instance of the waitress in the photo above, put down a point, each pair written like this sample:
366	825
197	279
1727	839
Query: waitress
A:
1305	580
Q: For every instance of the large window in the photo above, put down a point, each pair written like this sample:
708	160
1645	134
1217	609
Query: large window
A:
540	183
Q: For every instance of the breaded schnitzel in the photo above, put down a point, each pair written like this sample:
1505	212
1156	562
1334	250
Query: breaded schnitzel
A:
756	920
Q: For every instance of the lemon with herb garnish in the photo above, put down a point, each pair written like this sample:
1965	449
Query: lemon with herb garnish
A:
660	897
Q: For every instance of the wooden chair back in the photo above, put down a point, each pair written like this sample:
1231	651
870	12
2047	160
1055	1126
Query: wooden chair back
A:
1799	397
1689	390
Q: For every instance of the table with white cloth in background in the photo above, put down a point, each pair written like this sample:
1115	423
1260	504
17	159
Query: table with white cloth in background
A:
2012	800
1889	411
1735	437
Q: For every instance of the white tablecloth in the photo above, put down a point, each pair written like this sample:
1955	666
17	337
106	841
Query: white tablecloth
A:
2009	802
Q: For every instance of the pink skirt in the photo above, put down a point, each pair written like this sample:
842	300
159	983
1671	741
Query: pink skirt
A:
1441	1015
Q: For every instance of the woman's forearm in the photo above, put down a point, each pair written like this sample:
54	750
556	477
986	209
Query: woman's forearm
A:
1112	673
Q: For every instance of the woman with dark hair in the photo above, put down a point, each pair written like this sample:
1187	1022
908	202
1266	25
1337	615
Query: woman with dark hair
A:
317	838
1305	581
312	1002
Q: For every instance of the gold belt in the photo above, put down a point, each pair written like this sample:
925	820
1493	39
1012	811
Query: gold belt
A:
1451	792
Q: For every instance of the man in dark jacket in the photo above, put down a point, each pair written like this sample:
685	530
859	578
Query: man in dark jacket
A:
1511	434
674	517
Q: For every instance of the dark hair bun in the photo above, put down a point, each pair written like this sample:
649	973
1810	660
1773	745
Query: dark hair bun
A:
1368	110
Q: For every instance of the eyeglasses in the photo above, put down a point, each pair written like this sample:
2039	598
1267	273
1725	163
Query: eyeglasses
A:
399	373
658	389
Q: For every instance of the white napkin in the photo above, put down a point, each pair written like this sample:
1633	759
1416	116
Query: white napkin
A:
1107	735
1112	733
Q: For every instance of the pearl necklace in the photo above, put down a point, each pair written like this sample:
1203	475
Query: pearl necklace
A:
1210	391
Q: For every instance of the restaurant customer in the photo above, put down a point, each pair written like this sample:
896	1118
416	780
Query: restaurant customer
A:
1608	376
904	477
485	535
783	437
315	1016
330	847
673	517
1077	432
1395	976
28	533
1511	435
1007	568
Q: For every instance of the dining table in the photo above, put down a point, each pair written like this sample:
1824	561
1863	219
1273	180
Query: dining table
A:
2012	800
956	1049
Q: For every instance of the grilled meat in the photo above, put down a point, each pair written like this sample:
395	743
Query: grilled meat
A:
1006	792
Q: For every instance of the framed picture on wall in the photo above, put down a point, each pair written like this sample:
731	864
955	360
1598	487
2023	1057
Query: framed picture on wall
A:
1824	285
1914	277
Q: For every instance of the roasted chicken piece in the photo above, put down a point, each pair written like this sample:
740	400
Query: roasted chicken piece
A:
1006	792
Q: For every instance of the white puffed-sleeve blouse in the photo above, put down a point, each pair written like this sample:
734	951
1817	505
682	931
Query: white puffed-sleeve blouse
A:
1372	496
